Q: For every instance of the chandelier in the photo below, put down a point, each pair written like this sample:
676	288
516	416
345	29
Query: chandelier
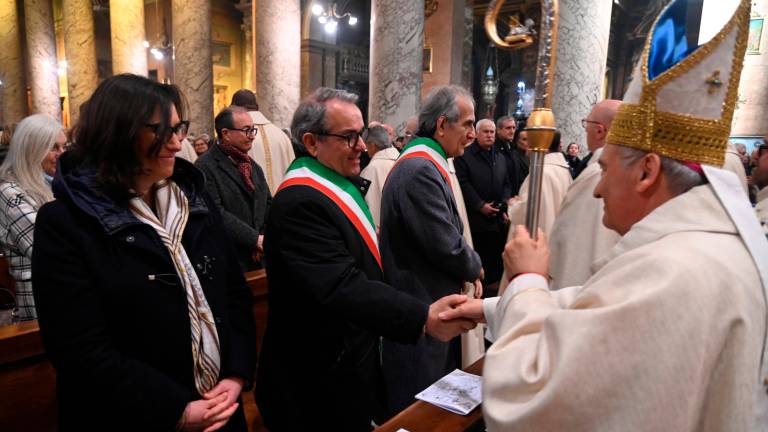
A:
330	17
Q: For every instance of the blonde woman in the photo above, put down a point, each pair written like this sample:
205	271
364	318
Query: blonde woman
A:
37	143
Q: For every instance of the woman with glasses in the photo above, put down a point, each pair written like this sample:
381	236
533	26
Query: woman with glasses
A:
142	307
37	143
237	184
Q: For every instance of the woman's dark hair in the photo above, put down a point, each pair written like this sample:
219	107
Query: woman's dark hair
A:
520	128
109	125
554	146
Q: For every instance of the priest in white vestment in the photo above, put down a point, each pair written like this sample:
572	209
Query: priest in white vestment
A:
556	178
669	333
187	151
578	235
271	149
734	165
383	157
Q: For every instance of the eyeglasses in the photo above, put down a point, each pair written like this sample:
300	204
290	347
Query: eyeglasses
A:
351	138
248	130
180	130
585	122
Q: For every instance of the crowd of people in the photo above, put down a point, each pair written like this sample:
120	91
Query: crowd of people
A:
640	303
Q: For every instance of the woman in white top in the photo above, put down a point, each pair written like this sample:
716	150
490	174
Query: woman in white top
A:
25	175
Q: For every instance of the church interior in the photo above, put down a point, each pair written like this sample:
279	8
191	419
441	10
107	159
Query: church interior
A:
390	53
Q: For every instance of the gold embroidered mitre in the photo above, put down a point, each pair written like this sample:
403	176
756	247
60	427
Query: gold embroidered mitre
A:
680	103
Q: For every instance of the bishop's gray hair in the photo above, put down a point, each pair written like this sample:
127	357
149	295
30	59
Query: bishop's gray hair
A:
680	178
310	115
379	137
441	101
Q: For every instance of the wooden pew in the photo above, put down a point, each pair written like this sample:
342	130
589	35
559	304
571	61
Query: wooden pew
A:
27	381
257	281
421	416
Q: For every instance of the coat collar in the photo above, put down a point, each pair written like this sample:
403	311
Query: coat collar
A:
389	153
556	158
696	210
229	167
78	185
258	118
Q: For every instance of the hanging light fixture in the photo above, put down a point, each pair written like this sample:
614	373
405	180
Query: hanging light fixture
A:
330	18
489	85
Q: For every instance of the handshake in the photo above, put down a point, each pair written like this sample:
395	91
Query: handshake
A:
455	314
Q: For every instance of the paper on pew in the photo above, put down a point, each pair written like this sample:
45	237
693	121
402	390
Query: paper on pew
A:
458	392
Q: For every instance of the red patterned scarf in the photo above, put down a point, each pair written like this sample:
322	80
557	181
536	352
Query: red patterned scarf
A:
243	162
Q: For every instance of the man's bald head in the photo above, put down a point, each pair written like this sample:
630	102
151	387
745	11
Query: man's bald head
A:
599	121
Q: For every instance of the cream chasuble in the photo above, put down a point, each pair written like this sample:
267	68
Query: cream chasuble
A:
271	149
762	208
734	165
377	171
667	335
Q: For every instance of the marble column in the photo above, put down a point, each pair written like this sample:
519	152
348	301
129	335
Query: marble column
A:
246	7
13	88
193	66
582	52
278	58
126	21
41	51
397	41
80	50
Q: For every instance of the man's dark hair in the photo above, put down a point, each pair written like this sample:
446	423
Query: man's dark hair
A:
246	99
503	119
309	117
225	119
109	125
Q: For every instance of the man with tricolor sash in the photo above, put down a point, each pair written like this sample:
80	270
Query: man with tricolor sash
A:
422	247
328	304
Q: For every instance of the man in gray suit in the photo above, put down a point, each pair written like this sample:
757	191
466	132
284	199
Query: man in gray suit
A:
422	248
237	184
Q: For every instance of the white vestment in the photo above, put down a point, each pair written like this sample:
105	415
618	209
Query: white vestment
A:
187	151
666	335
271	149
762	208
733	164
473	341
377	171
555	180
578	236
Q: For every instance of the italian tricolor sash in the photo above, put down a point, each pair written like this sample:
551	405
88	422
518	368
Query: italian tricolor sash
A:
307	171
430	150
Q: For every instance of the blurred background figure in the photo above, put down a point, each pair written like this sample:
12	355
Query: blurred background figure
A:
200	143
37	143
573	159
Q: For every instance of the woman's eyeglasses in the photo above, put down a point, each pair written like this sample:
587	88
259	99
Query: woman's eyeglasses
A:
180	130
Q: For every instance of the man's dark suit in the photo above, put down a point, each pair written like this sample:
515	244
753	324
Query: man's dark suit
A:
243	211
319	367
483	178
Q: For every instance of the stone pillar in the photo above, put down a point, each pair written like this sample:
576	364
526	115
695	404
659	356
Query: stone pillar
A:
278	58
193	67
582	52
750	117
80	50
397	41
246	8
13	86
126	21
41	51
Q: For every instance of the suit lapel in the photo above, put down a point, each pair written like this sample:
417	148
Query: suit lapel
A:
230	168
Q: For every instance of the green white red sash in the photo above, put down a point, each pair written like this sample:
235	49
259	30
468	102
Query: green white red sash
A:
307	171
430	150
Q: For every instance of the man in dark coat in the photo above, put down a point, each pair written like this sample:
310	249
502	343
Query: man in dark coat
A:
328	306
423	250
507	132
237	184
482	174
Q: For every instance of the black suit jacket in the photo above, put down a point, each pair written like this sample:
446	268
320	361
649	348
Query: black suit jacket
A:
319	366
243	211
517	164
483	178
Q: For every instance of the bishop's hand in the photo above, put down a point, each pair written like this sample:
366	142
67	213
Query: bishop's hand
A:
446	330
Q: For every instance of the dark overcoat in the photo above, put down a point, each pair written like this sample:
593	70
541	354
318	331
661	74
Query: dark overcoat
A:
113	313
426	256
243	211
483	178
319	366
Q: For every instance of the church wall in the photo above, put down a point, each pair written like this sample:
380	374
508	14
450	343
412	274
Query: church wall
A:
227	47
751	116
444	36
